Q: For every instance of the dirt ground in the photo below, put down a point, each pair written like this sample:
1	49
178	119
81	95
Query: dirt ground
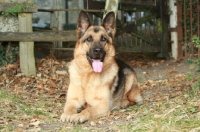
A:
159	79
166	69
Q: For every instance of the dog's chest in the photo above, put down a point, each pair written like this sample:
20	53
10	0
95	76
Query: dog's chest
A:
95	87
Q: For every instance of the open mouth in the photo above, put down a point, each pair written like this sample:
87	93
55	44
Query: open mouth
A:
97	64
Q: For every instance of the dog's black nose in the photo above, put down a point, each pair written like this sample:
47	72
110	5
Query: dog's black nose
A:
97	51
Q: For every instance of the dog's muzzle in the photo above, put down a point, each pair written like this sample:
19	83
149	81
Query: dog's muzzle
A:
95	56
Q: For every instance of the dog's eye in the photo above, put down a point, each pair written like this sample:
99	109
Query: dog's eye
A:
103	39
89	39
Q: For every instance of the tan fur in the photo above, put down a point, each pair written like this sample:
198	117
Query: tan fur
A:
94	91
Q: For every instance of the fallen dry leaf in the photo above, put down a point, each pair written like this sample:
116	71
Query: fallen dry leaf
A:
92	123
35	123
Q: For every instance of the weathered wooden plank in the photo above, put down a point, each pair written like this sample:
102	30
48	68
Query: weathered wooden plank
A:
179	28
131	6
147	18
144	37
142	48
19	7
56	22
139	8
38	36
26	49
130	26
94	7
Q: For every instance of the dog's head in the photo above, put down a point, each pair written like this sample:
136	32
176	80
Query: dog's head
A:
96	41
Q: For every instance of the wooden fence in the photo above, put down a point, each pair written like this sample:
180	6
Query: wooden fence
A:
187	13
27	37
33	36
188	26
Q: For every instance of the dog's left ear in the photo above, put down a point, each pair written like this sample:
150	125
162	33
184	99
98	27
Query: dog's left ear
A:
109	23
83	22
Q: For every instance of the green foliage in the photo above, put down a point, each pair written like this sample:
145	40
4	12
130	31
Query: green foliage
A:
187	17
192	62
189	77
159	26
8	54
15	10
194	92
169	11
2	55
196	41
196	86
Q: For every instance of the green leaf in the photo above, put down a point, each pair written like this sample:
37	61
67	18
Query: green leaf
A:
191	66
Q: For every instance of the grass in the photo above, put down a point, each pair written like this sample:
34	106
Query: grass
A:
178	114
15	110
17	103
181	114
1	128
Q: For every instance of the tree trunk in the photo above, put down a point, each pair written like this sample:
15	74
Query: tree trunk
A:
111	5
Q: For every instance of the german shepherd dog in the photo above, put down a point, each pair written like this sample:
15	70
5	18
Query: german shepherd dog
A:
98	81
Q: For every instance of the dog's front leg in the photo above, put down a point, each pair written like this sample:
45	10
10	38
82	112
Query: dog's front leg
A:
74	101
70	108
99	110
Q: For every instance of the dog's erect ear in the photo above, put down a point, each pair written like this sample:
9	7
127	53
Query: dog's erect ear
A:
83	23
109	23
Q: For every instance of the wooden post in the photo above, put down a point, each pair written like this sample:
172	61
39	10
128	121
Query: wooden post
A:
27	59
179	29
111	5
185	28
191	29
57	20
198	30
173	26
164	24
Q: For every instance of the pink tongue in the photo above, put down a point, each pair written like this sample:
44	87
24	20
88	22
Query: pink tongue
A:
97	66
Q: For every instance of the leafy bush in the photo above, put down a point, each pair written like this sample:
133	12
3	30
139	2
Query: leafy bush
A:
15	10
8	54
186	21
196	41
196	86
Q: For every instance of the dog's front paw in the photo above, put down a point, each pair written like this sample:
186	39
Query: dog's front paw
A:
124	103
64	117
79	118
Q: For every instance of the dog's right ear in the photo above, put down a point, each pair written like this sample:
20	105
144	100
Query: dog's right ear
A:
83	22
